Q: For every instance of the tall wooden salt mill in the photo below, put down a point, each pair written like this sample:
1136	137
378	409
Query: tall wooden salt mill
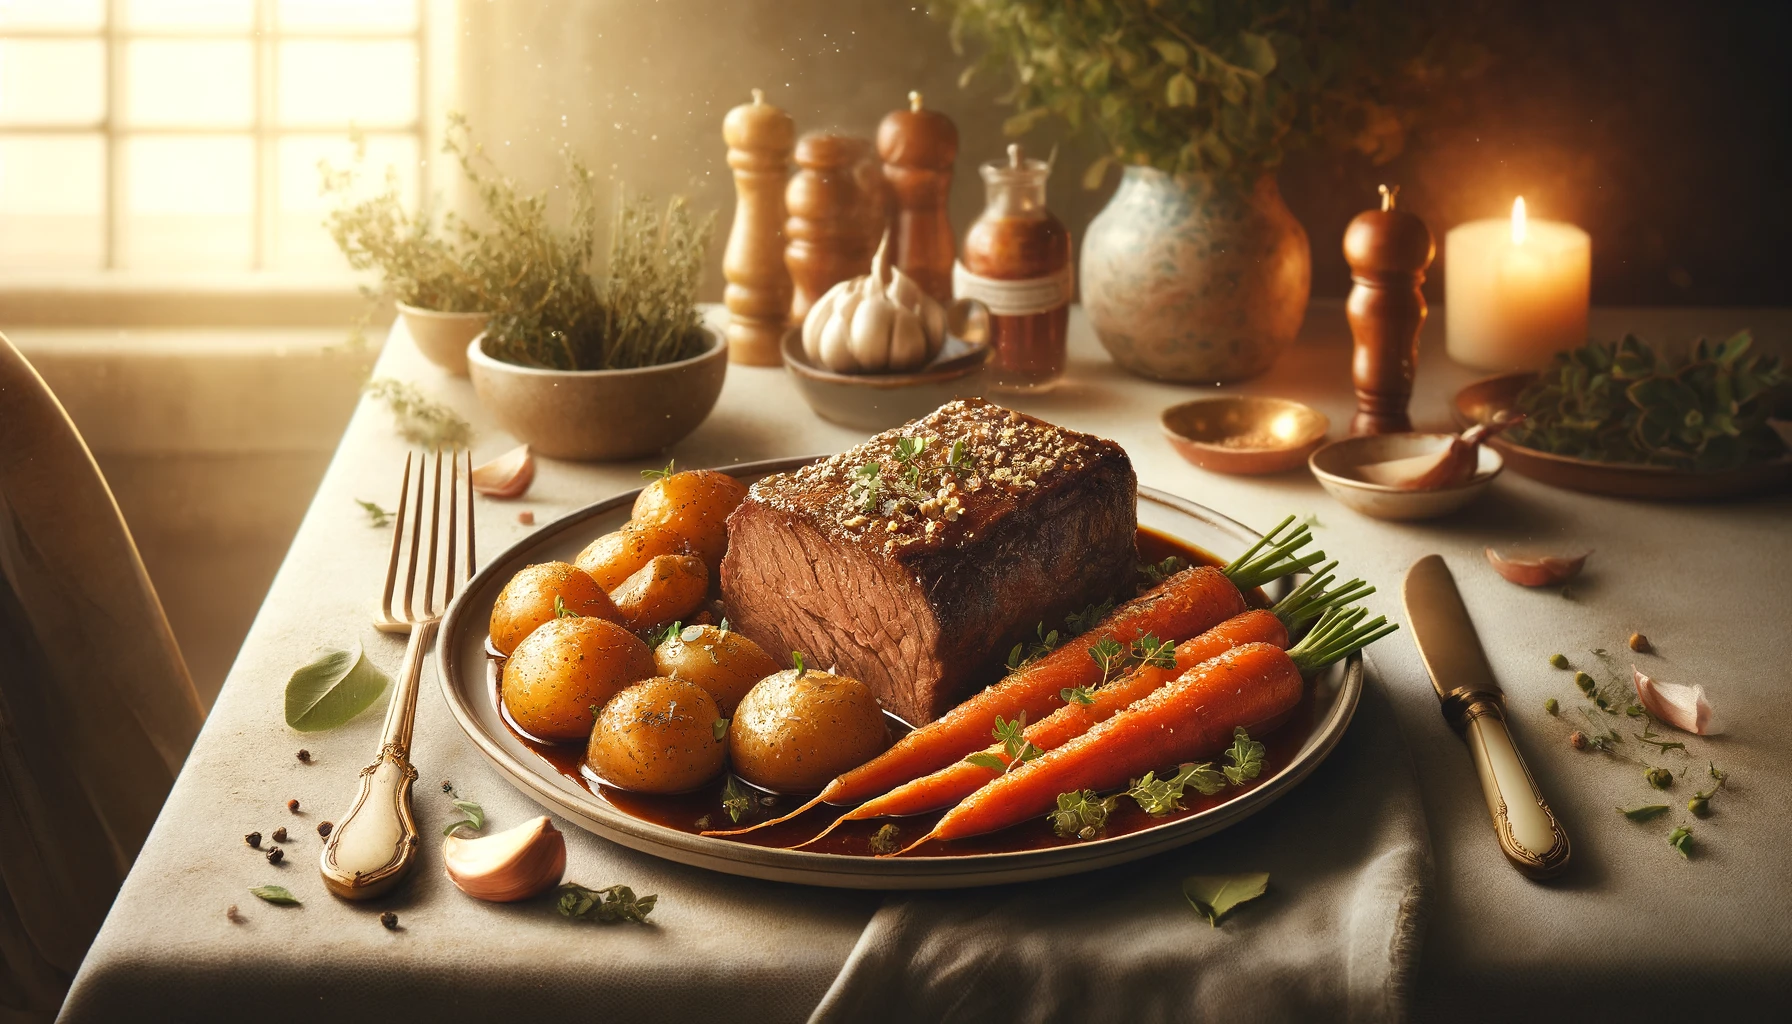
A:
835	200
760	138
918	147
1388	251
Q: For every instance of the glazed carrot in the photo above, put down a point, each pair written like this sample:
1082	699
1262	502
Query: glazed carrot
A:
1188	603
1193	716
962	778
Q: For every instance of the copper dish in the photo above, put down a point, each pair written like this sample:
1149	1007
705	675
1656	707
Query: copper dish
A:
1243	435
1480	401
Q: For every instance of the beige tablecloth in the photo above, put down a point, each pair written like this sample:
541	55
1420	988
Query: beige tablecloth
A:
1632	929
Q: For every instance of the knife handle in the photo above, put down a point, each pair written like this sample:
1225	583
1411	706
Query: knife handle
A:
1528	832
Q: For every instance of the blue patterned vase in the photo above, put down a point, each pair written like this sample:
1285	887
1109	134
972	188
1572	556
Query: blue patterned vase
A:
1195	280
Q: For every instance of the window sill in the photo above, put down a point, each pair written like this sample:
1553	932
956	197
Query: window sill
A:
196	300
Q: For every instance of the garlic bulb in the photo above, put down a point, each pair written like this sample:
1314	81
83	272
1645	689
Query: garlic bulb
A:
864	325
507	866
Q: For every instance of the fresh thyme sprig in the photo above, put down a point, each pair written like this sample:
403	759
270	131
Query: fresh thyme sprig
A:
1157	572
1012	736
607	905
908	455
661	474
376	516
866	486
1025	653
1087	619
1158	797
1081	814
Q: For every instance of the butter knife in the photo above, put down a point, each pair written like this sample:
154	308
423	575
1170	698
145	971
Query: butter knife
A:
1474	705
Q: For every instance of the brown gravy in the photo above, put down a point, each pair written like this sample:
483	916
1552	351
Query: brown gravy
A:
702	809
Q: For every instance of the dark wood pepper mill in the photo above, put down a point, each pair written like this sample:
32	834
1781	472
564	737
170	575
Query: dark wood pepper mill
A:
838	186
1388	251
918	148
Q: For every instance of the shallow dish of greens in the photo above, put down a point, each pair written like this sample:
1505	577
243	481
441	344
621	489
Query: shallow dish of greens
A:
1622	419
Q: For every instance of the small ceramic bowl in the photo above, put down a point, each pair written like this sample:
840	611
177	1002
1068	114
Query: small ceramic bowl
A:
1336	467
879	401
600	415
443	337
1243	435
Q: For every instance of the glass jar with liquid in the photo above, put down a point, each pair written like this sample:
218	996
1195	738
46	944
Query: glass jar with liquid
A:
1016	261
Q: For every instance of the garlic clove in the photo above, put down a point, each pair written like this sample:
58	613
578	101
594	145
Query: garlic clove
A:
507	476
908	342
1541	571
836	334
903	290
817	318
906	293
507	866
1683	707
1442	468
871	323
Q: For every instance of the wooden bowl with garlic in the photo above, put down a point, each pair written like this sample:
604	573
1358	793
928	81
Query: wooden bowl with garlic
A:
876	351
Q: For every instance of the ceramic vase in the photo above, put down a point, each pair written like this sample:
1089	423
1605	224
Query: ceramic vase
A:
1195	279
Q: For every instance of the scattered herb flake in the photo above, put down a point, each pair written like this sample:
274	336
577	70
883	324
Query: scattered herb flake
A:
660	474
1660	778
1215	896
1246	755
1087	619
474	820
886	840
1157	572
737	800
275	894
796	659
1076	695
720	728
608	905
1550	705
1559	660
1645	812
1681	840
1080	814
376	516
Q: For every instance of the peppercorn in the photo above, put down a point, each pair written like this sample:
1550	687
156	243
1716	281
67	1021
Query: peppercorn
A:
1585	682
1577	740
232	915
280	834
447	787
304	756
1550	705
293	806
1558	661
324	827
276	855
1699	805
253	839
1640	643
1660	778
390	920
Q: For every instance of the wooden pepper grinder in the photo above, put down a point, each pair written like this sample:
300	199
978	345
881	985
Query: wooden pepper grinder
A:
759	138
1388	251
827	199
918	148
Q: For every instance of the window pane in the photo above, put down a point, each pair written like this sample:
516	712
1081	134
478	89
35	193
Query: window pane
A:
52	81
301	241
189	202
348	15
190	14
53	14
330	84
52	202
189	83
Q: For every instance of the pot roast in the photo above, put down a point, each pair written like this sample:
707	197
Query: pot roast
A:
918	559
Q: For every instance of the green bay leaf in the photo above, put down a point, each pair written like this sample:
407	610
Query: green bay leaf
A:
1214	896
332	688
276	894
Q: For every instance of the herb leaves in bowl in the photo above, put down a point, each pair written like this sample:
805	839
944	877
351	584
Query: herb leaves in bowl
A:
1625	402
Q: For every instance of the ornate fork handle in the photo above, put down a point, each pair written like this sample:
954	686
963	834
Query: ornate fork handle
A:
374	846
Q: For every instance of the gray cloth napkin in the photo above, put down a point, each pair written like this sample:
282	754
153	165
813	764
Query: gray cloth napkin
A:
1334	938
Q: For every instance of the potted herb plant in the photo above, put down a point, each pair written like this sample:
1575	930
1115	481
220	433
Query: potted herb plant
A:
1196	270
433	273
583	368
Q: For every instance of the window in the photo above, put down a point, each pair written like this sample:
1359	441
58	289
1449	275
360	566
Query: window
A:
184	135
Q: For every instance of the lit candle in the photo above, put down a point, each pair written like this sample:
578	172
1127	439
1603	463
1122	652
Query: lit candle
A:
1515	292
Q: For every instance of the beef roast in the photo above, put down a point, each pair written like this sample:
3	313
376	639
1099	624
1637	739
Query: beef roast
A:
917	560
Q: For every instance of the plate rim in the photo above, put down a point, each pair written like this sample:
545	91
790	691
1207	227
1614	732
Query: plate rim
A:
835	870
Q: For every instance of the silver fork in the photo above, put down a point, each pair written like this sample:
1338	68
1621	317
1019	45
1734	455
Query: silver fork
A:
375	843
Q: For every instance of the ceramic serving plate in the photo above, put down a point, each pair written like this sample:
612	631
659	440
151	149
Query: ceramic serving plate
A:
1482	400
467	684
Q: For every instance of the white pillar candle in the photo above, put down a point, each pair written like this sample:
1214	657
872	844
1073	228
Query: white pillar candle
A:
1515	292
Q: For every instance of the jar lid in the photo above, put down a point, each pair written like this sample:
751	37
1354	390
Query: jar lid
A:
1017	169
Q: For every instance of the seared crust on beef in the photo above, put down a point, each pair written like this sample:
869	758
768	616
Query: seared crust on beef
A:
919	576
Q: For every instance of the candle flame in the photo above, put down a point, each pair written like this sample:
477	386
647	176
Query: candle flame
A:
1518	221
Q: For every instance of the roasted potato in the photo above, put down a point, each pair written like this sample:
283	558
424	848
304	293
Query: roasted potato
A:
796	730
616	556
527	601
658	736
565	670
694	505
724	663
667	588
